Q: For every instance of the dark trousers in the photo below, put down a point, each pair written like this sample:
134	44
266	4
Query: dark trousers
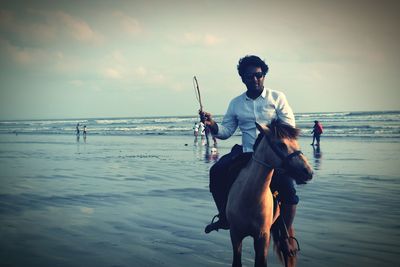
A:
316	137
223	174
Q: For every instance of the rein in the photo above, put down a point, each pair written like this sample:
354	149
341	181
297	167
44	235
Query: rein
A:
285	159
262	162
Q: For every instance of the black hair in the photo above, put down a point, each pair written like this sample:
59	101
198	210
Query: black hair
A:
251	60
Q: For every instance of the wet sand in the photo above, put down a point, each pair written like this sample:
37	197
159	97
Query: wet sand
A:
144	201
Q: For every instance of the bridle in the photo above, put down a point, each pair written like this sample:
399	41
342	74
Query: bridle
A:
284	166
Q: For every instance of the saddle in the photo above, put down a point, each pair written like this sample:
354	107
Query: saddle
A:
239	161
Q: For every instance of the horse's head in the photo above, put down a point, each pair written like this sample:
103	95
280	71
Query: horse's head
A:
281	150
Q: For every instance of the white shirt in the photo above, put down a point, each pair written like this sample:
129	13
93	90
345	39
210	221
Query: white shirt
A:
202	129
244	112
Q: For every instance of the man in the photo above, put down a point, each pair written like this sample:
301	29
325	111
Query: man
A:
257	104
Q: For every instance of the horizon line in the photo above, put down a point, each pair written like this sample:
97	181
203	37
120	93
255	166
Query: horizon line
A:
185	116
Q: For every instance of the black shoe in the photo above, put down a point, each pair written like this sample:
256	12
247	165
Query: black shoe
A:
220	224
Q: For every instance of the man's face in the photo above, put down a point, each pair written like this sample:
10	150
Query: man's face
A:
253	78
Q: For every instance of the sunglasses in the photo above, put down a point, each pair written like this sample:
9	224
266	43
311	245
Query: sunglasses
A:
250	76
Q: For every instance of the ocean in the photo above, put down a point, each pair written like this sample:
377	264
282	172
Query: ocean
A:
336	124
135	193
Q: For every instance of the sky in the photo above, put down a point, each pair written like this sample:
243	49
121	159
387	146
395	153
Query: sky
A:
91	59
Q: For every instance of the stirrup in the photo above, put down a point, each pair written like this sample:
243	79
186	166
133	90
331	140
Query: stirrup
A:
214	225
216	216
297	242
286	250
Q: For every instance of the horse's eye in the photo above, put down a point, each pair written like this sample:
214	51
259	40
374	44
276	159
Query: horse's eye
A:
282	146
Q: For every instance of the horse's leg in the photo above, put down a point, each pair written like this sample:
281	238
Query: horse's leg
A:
290	261
261	245
237	248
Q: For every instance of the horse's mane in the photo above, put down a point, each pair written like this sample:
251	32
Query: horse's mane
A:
280	130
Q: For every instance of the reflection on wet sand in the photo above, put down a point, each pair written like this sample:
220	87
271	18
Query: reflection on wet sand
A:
207	153
211	154
317	157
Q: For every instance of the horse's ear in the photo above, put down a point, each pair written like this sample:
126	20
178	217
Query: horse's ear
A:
262	128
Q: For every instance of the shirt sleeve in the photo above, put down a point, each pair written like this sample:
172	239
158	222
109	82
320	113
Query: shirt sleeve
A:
229	123
284	111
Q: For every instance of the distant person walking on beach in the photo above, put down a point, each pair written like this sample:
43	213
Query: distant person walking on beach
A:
84	131
77	129
195	131
317	131
257	104
202	131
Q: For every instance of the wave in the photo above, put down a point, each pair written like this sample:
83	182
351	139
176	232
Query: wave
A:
368	113
321	115
43	122
362	124
362	127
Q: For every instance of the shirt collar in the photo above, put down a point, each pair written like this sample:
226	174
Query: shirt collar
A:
263	94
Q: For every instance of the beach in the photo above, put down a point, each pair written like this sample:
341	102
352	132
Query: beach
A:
144	201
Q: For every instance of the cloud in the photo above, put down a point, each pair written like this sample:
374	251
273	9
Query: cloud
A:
148	76
42	59
210	40
47	26
178	87
7	19
77	83
26	31
112	73
14	53
130	76
77	28
140	71
26	55
118	57
128	24
201	39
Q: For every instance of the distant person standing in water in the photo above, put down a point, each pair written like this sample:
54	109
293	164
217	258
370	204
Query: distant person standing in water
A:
195	131
317	131
84	131
202	131
77	129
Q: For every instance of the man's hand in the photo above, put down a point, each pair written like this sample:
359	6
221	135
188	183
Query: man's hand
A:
207	118
208	121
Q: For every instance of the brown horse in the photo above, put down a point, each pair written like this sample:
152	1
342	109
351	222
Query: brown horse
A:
250	207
